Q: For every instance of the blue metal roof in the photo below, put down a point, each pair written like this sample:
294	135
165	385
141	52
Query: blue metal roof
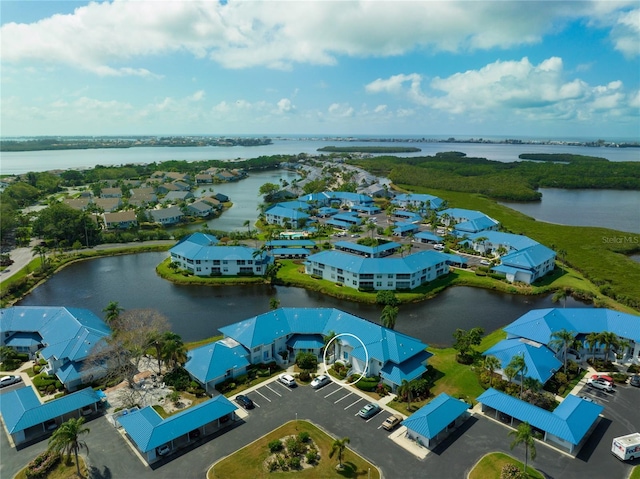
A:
475	225
570	421
402	227
429	236
408	370
382	344
338	223
413	263
435	416
494	239
540	324
418	198
290	242
284	212
209	253
211	361
305	341
148	430
528	258
372	250
67	333
541	362
462	213
25	340
21	408
327	210
288	251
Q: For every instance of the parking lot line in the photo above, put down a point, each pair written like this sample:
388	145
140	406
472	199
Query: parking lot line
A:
372	417
275	392
256	391
283	386
343	397
356	402
333	392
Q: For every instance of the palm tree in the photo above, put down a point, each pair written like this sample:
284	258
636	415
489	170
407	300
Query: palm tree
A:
561	294
406	389
40	251
592	341
524	435
67	439
562	339
247	223
274	303
338	446
112	311
520	366
327	339
491	363
389	316
157	340
174	350
610	340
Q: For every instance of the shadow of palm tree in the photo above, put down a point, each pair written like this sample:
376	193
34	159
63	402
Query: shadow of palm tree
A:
95	473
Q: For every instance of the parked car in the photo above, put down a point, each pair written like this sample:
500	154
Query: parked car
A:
320	381
287	380
635	380
244	401
50	425
369	411
601	384
392	421
9	380
438	247
164	450
587	398
485	262
195	434
603	376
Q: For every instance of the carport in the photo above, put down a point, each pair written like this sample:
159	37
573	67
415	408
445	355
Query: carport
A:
567	427
433	422
26	418
148	431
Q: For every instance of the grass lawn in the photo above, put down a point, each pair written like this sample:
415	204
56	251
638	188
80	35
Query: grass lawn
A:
64	470
635	473
490	467
248	462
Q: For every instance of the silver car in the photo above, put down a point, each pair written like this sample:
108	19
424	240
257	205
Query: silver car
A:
9	380
320	381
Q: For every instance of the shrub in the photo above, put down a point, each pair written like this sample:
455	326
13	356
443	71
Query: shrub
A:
312	457
634	369
619	377
304	376
275	446
242	379
295	446
178	379
294	462
304	436
511	471
42	464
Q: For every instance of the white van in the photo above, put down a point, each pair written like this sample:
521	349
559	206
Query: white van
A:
626	448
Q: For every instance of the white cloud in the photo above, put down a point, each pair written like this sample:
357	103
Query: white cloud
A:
285	106
505	88
108	38
341	110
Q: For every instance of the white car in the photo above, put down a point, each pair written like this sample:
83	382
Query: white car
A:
287	380
601	384
485	262
9	380
320	381
438	247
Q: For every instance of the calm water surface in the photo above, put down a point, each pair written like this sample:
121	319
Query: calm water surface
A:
197	312
615	209
23	162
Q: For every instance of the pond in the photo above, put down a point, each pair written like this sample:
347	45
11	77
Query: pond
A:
197	312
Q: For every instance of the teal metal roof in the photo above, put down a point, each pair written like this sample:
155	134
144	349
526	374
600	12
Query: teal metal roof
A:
541	362
494	239
21	408
529	257
148	430
305	341
408	370
209	252
211	361
539	324
570	421
435	416
410	264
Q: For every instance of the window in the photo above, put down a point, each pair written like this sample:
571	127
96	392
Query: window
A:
240	262
198	261
378	283
216	261
224	261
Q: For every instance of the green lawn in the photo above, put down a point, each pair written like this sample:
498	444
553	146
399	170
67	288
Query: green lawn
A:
248	462
490	467
635	473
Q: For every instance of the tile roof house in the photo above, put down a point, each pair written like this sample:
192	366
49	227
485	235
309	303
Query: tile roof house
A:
64	337
26	418
567	427
433	422
366	346
148	431
77	203
108	205
111	193
200	254
377	273
166	216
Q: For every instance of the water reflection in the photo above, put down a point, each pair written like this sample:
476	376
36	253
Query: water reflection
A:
197	312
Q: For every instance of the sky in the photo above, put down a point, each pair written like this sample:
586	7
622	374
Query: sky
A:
507	69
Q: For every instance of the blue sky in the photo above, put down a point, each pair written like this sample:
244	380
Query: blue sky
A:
546	69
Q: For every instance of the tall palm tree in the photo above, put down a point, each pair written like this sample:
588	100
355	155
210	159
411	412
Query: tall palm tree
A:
338	447
561	294
389	316
524	435
592	341
112	311
562	339
174	350
520	366
42	252
491	363
406	389
156	340
67	439
610	341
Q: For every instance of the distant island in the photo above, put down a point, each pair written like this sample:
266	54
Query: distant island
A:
86	143
369	149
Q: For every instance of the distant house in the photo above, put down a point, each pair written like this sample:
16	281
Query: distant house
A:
108	204
80	204
405	229
489	242
182	185
166	216
200	254
64	337
177	196
420	201
142	197
200	209
176	176
165	188
427	237
466	222
111	193
120	219
281	215
202	178
215	203
221	198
